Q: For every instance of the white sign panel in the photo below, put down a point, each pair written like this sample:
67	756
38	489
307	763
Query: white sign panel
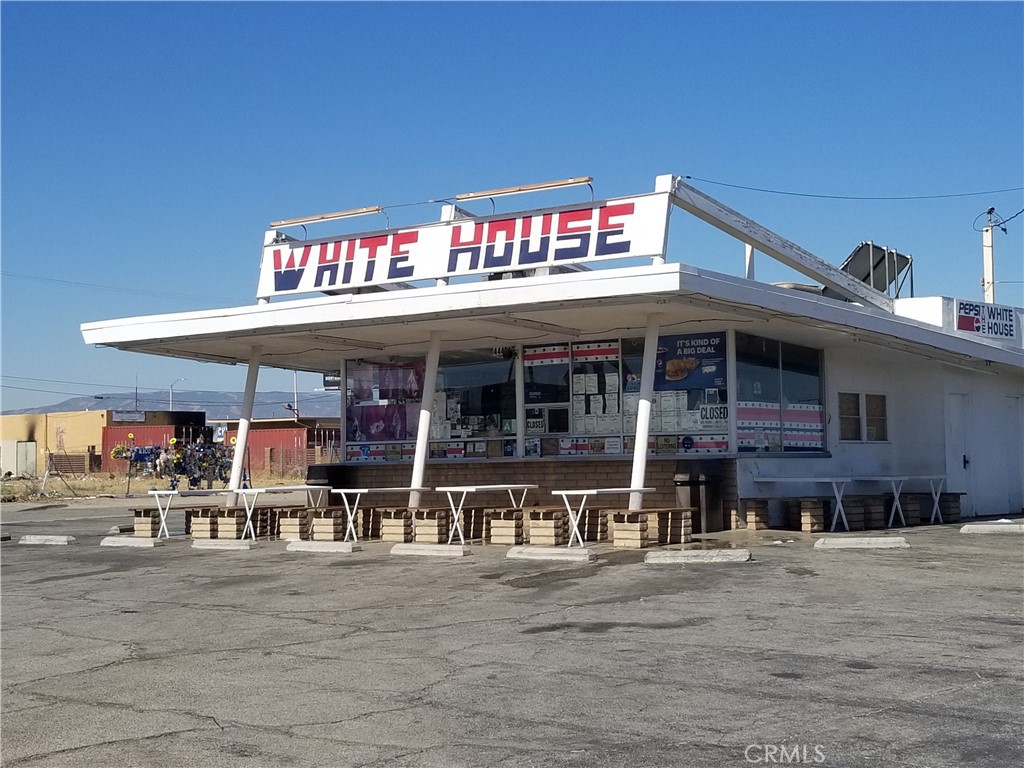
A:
714	417
992	320
611	229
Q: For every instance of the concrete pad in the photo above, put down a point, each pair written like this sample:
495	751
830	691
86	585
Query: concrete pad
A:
697	556
231	544
862	542
33	538
322	546
130	541
431	550
994	526
574	555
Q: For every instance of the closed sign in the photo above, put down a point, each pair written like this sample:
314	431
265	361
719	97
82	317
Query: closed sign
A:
714	416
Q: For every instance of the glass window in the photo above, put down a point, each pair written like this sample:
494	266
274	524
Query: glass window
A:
849	416
546	373
383	400
479	393
875	419
779	397
758	400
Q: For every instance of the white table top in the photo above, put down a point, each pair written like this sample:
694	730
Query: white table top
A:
899	477
590	491
281	489
400	489
844	478
474	488
192	492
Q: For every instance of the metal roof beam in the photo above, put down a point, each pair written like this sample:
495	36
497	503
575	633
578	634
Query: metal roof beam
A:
779	248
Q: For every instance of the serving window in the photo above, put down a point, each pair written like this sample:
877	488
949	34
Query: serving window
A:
579	399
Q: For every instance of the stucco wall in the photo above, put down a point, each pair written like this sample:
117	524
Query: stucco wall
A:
916	391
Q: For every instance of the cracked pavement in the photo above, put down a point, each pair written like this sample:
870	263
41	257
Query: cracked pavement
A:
175	657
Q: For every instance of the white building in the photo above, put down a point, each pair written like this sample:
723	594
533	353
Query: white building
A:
479	348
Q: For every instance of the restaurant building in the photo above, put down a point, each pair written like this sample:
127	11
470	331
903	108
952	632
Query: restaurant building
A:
561	347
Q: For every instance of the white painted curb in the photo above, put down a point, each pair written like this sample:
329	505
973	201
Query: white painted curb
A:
863	542
231	544
130	541
33	538
698	556
322	546
563	554
431	550
1009	526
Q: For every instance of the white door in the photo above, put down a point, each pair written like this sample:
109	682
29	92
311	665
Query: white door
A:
958	460
26	458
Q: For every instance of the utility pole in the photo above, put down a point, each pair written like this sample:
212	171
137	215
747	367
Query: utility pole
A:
988	282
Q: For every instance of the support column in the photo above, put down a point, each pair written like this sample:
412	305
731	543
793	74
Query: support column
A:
643	414
749	261
520	403
419	463
242	438
343	391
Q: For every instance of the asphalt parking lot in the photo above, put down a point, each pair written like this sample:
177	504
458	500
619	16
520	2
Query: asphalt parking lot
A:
177	657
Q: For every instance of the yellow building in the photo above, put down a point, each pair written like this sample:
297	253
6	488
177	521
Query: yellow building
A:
27	439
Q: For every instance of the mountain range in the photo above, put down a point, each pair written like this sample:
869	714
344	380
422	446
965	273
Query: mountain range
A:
217	405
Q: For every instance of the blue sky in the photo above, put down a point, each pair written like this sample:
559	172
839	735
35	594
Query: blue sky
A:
145	147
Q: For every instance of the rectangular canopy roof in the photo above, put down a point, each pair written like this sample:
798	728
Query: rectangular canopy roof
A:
315	334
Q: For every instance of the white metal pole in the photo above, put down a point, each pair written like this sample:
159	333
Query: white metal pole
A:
989	281
245	417
520	403
419	463
643	413
749	261
343	389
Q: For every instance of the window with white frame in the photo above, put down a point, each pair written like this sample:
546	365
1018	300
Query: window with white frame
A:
862	417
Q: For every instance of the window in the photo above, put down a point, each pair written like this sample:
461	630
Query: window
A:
875	418
849	416
779	402
862	417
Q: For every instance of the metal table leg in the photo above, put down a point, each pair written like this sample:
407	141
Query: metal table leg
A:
250	506
936	494
897	488
456	511
838	486
163	509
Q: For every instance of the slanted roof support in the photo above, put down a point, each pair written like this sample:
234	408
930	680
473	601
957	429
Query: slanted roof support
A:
779	248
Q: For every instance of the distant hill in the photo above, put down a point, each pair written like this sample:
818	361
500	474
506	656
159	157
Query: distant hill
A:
218	405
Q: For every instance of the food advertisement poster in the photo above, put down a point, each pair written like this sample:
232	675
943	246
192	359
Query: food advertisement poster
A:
695	361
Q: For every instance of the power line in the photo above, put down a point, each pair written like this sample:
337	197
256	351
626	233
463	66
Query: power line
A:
854	197
114	288
997	220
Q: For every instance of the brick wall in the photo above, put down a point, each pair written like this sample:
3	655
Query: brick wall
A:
548	475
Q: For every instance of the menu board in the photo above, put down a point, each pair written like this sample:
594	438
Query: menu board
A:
595	401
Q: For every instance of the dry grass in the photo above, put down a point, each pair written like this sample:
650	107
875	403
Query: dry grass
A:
101	484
